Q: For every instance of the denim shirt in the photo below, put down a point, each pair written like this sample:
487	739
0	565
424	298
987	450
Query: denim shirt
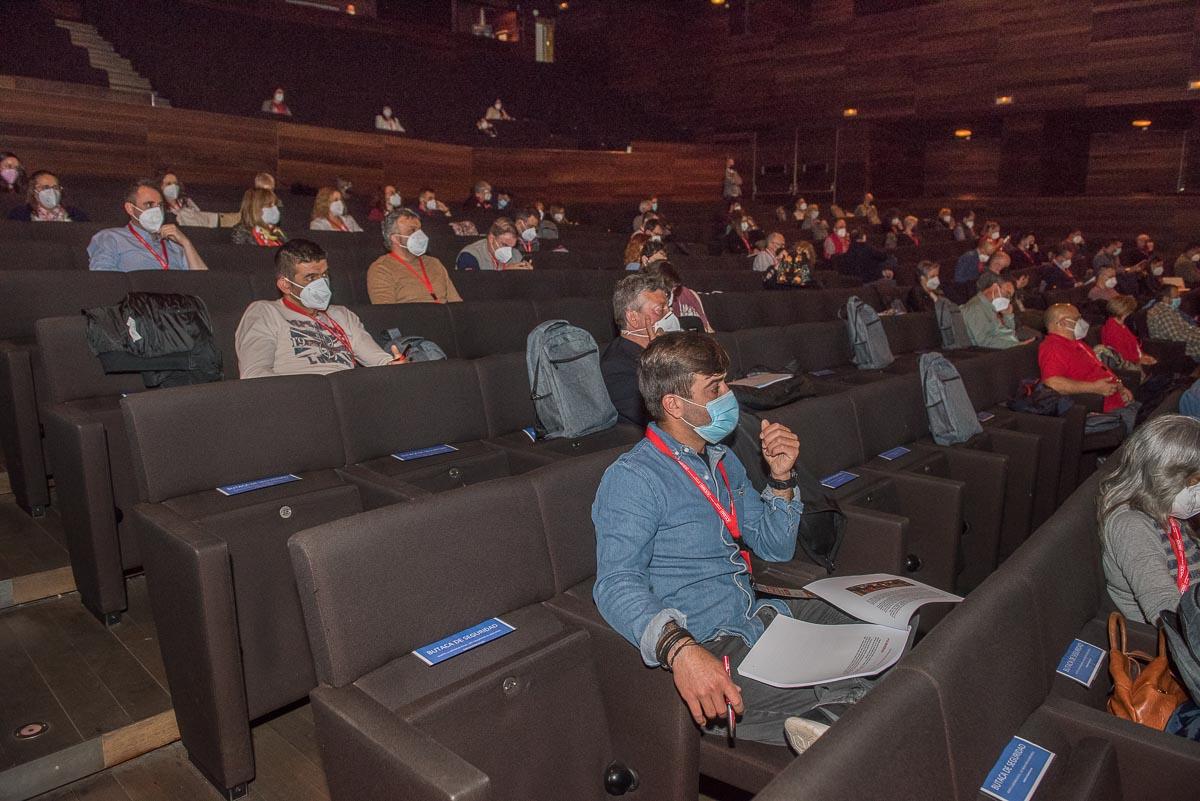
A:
662	552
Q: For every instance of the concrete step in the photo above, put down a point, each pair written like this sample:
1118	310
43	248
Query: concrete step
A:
122	76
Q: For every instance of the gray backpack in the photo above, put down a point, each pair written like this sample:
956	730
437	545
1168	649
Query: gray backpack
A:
867	337
416	349
951	325
952	418
565	382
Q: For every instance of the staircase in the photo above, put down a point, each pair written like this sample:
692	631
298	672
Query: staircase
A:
122	77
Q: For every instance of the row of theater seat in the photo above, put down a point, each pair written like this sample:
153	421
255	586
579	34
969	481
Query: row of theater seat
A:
232	662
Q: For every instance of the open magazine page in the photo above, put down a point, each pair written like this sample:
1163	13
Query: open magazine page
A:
760	380
793	653
879	597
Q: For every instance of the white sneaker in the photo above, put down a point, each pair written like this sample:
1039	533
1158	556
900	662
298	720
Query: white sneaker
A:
802	733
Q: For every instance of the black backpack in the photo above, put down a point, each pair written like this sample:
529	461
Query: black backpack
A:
778	394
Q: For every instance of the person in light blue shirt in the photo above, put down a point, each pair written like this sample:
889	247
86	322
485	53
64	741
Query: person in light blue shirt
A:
669	573
146	242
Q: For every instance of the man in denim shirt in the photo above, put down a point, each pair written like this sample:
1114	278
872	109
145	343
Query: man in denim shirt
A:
669	573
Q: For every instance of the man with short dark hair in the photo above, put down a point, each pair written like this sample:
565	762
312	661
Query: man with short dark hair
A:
146	242
642	312
301	332
405	274
971	264
429	206
869	264
1057	273
673	518
1187	266
1164	320
1109	255
526	222
497	251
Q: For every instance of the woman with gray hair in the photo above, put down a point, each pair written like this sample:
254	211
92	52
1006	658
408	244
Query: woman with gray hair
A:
1149	551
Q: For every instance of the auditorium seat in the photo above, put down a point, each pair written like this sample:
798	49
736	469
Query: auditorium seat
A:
429	320
497	326
221	589
389	724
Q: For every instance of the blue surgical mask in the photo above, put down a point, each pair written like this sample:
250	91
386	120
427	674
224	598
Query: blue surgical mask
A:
1175	302
722	415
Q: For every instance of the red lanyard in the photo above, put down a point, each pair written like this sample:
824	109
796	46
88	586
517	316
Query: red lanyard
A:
338	223
423	277
270	240
1183	575
728	516
332	327
1083	346
163	260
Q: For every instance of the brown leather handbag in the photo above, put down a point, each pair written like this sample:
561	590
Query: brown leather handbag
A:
1145	689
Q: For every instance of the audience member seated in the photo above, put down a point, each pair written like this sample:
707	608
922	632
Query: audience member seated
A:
383	203
771	252
653	252
945	220
973	262
496	111
991	230
12	174
642	313
1109	255
1164	320
384	121
683	301
865	262
635	251
526	222
989	317
145	242
799	208
965	230
485	127
741	236
647	206
44	202
301	332
1116	335
866	211
503	199
176	201
428	206
496	251
1148	547
895	227
667	578
1105	286
1025	254
908	237
276	105
1069	367
258	220
1144	247
480	197
732	186
329	213
925	294
1187	266
556	215
405	274
838	240
814	224
1056	274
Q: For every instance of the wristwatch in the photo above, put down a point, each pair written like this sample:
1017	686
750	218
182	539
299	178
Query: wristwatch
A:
782	485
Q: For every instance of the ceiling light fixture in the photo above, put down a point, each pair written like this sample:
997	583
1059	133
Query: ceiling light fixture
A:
1141	124
963	133
849	112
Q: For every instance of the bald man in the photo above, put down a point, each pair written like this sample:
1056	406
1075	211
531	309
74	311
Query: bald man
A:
1070	367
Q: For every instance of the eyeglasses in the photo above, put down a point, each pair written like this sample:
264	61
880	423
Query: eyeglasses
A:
40	187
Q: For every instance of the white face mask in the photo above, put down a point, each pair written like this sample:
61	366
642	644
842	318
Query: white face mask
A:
487	196
947	219
933	282
969	223
270	215
1187	503
895	223
387	112
1116	251
337	208
151	219
171	191
668	324
1077	239
395	200
1001	304
418	242
745	226
1196	257
803	206
503	254
1110	283
279	97
1081	328
316	295
1159	270
49	198
529	234
558	217
840	231
431	205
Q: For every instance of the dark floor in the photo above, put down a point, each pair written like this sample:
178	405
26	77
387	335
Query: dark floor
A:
28	545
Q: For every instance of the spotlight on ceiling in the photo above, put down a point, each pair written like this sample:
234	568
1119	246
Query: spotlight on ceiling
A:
1141	125
1004	100
962	133
849	111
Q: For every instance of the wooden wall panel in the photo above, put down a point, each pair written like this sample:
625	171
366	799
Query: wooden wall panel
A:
1134	162
954	167
87	136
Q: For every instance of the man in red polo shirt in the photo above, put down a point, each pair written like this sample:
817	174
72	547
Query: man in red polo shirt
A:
1070	367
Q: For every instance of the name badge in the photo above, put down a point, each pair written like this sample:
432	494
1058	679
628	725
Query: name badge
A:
462	641
894	453
257	484
423	453
838	479
1081	662
1018	771
984	416
821	373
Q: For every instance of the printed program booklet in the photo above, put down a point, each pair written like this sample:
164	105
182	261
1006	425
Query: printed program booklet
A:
793	653
760	380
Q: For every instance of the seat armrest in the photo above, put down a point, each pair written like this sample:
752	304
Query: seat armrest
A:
1090	401
20	430
369	753
874	543
190	581
378	490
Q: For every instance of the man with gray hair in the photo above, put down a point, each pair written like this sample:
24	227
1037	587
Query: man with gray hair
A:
480	198
405	274
642	312
989	315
